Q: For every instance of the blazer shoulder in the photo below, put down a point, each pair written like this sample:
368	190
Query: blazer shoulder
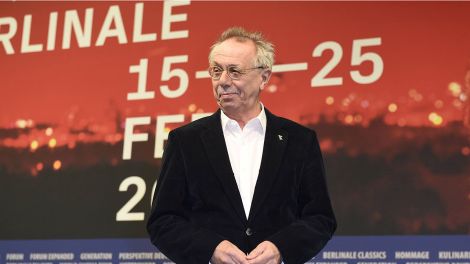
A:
295	128
196	126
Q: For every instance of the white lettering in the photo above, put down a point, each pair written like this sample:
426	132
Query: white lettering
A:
168	73
26	46
82	34
339	255
138	21
51	33
113	15
372	255
14	256
454	254
135	255
38	256
96	256
80	27
412	255
162	133
169	18
5	38
142	93
60	256
130	137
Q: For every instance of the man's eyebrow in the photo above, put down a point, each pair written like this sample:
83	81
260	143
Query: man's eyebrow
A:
221	66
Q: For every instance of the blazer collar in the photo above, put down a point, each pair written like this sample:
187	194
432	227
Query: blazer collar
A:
214	144
274	145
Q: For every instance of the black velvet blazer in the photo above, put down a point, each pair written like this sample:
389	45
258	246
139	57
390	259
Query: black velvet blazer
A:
197	203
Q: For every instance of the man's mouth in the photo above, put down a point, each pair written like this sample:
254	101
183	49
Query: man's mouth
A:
226	94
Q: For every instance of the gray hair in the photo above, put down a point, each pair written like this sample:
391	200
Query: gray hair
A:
264	48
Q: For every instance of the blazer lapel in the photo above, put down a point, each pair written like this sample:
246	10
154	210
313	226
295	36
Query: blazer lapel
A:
275	143
214	144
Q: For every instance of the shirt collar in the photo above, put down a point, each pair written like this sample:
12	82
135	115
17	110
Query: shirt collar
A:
261	117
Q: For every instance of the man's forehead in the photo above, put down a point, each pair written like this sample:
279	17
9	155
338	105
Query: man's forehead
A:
234	49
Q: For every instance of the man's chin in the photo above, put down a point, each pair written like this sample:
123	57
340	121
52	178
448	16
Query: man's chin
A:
227	106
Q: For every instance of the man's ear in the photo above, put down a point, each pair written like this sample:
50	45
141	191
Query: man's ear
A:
265	78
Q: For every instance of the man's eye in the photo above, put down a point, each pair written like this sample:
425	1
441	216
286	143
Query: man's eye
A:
235	71
217	70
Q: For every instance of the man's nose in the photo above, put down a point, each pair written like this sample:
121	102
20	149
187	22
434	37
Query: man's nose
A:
225	79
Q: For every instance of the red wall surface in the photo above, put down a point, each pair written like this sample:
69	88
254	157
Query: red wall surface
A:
385	85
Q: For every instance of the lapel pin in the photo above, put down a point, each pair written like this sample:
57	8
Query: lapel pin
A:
280	137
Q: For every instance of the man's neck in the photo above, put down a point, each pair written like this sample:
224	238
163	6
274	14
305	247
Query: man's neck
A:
243	117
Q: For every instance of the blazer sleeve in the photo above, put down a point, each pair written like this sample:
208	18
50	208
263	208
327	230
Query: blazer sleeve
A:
300	241
169	224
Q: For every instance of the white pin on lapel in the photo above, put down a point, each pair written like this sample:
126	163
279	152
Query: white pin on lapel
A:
280	137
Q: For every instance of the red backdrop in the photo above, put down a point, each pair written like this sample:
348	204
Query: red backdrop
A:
397	134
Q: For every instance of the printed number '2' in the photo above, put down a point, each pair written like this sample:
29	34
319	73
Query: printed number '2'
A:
125	214
357	58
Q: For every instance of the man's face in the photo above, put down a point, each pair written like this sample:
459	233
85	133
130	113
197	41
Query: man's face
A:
239	96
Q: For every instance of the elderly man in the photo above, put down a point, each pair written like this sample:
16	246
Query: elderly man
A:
242	185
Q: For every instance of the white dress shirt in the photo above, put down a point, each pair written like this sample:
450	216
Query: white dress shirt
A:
245	150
